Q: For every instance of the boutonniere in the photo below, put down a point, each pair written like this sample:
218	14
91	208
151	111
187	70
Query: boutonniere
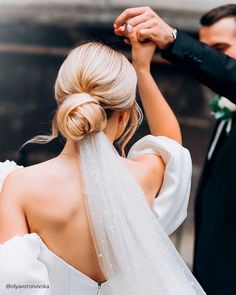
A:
222	108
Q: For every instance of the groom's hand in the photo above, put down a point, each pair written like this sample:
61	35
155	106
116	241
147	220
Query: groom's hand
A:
148	25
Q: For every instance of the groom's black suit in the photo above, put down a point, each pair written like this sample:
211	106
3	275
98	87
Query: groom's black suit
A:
215	207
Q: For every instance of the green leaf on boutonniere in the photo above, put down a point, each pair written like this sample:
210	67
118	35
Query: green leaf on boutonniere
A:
214	104
227	113
220	113
223	114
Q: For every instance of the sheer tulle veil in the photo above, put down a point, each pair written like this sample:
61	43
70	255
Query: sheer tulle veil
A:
134	252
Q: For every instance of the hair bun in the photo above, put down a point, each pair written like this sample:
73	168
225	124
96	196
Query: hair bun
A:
79	115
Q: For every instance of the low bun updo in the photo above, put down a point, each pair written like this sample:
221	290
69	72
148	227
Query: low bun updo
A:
79	115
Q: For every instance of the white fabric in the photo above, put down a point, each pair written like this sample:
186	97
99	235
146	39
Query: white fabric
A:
28	265
216	138
135	254
171	204
219	130
6	168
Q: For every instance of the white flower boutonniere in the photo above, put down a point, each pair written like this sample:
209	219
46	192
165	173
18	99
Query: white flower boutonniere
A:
222	108
225	103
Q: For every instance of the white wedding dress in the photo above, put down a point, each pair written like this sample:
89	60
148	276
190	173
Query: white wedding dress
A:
28	265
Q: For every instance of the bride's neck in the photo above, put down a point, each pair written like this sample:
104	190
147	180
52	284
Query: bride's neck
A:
70	146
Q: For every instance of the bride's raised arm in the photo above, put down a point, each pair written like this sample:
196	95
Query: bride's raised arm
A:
161	119
164	165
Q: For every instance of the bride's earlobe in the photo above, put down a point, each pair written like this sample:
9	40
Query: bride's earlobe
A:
123	123
124	118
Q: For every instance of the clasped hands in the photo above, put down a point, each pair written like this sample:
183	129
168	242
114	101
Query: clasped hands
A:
148	26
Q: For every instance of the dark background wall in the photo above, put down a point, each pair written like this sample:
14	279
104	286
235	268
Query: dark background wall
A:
30	56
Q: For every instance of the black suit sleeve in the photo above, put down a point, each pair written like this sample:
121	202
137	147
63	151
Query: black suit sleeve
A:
209	66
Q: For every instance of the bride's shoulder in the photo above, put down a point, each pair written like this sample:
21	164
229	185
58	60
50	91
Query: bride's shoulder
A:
33	170
141	161
16	184
148	170
22	180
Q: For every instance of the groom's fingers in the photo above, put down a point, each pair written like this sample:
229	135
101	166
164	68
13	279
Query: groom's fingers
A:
138	20
126	14
145	34
146	25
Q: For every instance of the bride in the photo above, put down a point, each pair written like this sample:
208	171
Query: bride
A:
90	221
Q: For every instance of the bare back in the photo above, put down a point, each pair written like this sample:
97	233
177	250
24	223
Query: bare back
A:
54	209
56	212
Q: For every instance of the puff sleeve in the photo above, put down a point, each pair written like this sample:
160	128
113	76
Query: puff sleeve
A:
170	206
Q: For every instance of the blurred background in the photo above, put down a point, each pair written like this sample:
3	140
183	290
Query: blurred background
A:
35	37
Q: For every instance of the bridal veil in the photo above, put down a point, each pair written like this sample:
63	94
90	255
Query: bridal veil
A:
134	252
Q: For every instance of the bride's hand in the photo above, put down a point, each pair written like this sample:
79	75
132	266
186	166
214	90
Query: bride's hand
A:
142	53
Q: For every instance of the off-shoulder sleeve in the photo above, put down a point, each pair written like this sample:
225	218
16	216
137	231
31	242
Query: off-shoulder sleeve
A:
6	168
21	272
170	206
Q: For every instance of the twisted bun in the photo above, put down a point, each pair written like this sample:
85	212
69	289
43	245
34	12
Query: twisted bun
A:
79	115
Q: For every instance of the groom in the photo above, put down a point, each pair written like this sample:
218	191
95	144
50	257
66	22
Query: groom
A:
212	62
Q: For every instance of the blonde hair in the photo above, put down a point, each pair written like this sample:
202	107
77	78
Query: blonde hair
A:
93	81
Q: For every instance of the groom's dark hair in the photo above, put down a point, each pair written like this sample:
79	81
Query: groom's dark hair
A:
218	13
